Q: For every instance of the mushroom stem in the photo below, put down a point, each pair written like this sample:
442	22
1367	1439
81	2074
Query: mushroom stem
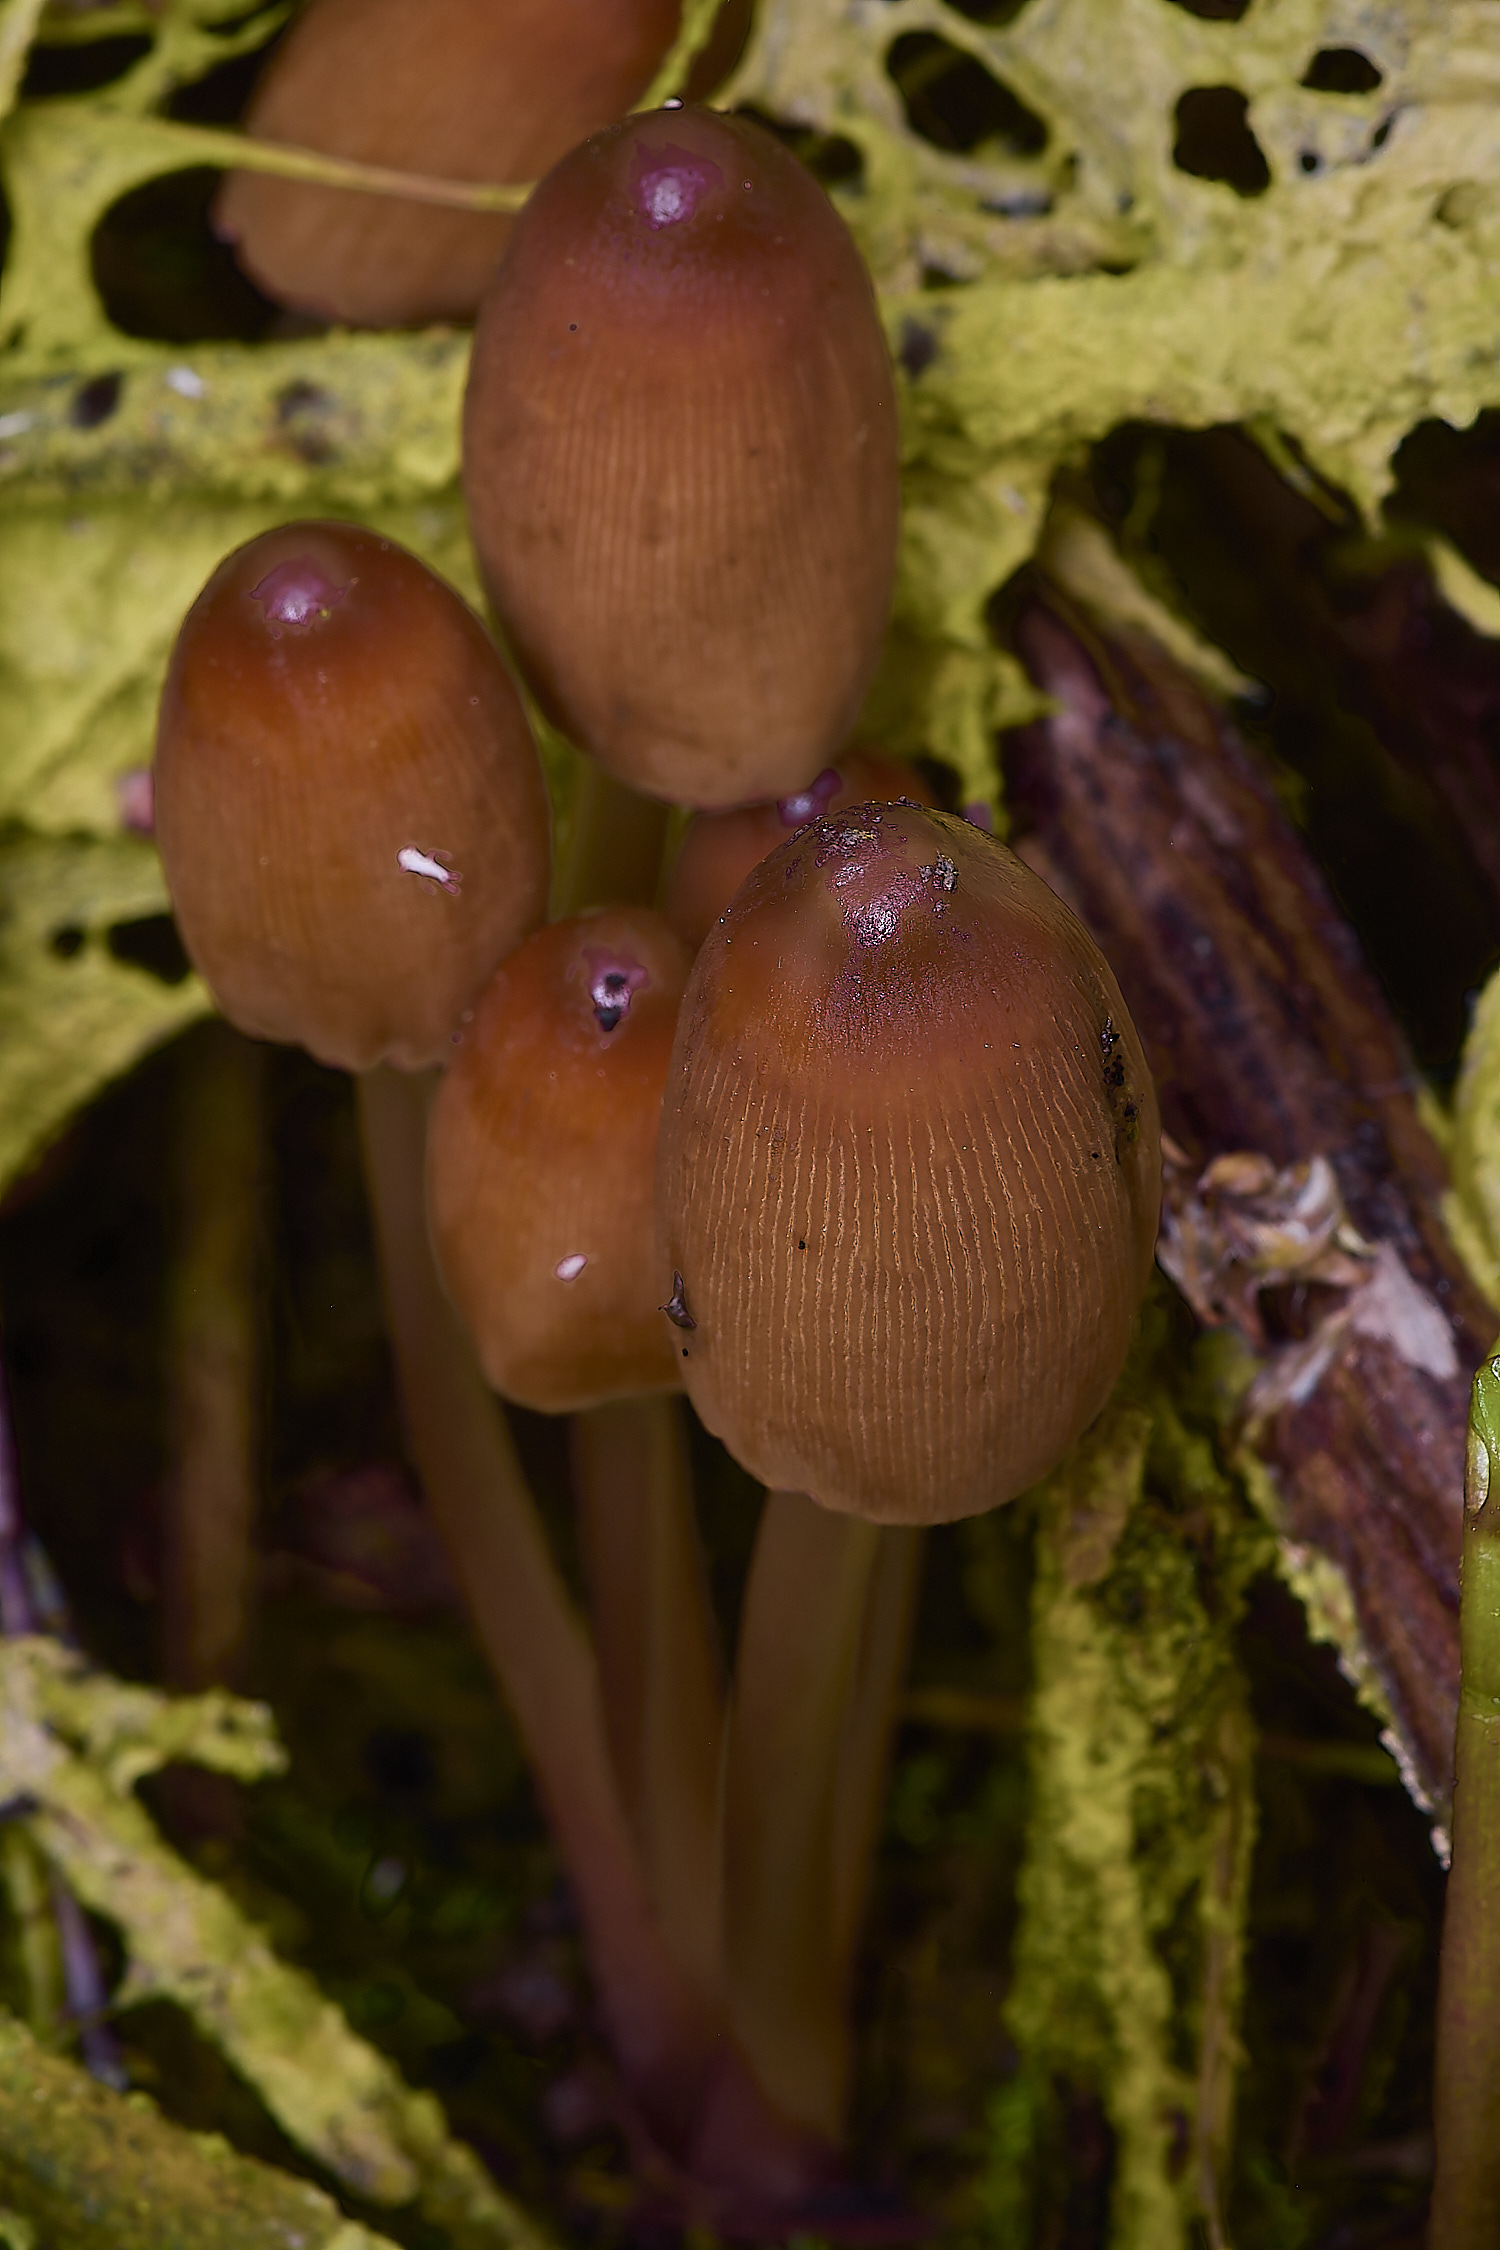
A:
864	1753
1466	2187
211	1498
805	1611
613	852
534	1639
653	1631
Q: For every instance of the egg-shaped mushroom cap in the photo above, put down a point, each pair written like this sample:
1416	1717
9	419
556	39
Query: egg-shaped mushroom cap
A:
349	804
909	1171
680	459
486	90
541	1161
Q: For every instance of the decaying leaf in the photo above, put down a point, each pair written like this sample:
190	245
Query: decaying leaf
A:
73	1743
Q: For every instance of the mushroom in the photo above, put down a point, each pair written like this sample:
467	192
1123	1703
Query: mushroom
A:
353	828
485	90
680	459
718	850
909	1170
908	1185
540	1162
349	805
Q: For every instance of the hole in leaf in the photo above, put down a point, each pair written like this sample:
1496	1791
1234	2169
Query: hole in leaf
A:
69	942
918	347
1342	70
995	13
80	69
151	944
952	101
162	273
1213	11
1214	141
222	95
831	158
95	401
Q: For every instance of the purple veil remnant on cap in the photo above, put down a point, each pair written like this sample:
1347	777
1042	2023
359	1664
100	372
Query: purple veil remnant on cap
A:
297	592
669	183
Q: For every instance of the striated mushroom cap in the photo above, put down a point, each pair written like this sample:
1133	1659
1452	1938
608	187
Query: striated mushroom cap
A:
493	90
680	459
719	849
541	1158
349	804
909	1171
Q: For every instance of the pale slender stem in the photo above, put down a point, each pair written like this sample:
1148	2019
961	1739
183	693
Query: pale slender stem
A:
224	149
208	1533
1466	2186
865	1747
613	849
653	1632
804	1614
531	1633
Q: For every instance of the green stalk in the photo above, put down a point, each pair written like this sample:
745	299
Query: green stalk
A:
1466	2189
804	1617
654	1637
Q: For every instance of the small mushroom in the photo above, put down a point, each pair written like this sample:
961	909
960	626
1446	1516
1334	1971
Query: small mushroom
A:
909	1170
541	1157
491	90
349	804
680	459
718	850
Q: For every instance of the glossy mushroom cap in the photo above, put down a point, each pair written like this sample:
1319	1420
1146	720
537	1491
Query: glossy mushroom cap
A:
349	804
909	1171
541	1157
492	90
680	459
718	850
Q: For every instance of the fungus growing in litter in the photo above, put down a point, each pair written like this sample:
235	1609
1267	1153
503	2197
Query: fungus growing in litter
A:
541	1156
719	850
909	1170
486	90
349	804
680	459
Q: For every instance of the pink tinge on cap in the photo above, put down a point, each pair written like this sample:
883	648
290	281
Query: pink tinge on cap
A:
135	798
809	803
613	983
670	183
299	592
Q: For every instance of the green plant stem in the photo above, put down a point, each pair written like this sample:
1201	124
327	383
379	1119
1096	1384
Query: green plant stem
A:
661	1673
529	1628
208	1542
804	1616
1466	2188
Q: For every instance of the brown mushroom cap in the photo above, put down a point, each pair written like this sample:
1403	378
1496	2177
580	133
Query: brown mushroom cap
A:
464	89
541	1158
680	459
349	804
718	850
909	1170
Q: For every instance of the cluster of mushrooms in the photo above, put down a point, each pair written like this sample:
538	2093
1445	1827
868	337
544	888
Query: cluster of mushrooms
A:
837	1122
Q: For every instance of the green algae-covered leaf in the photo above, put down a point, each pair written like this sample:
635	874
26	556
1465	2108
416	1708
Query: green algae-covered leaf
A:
72	1744
72	1014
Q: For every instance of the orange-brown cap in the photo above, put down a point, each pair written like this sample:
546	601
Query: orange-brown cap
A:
490	90
719	849
541	1157
350	807
909	1171
680	459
